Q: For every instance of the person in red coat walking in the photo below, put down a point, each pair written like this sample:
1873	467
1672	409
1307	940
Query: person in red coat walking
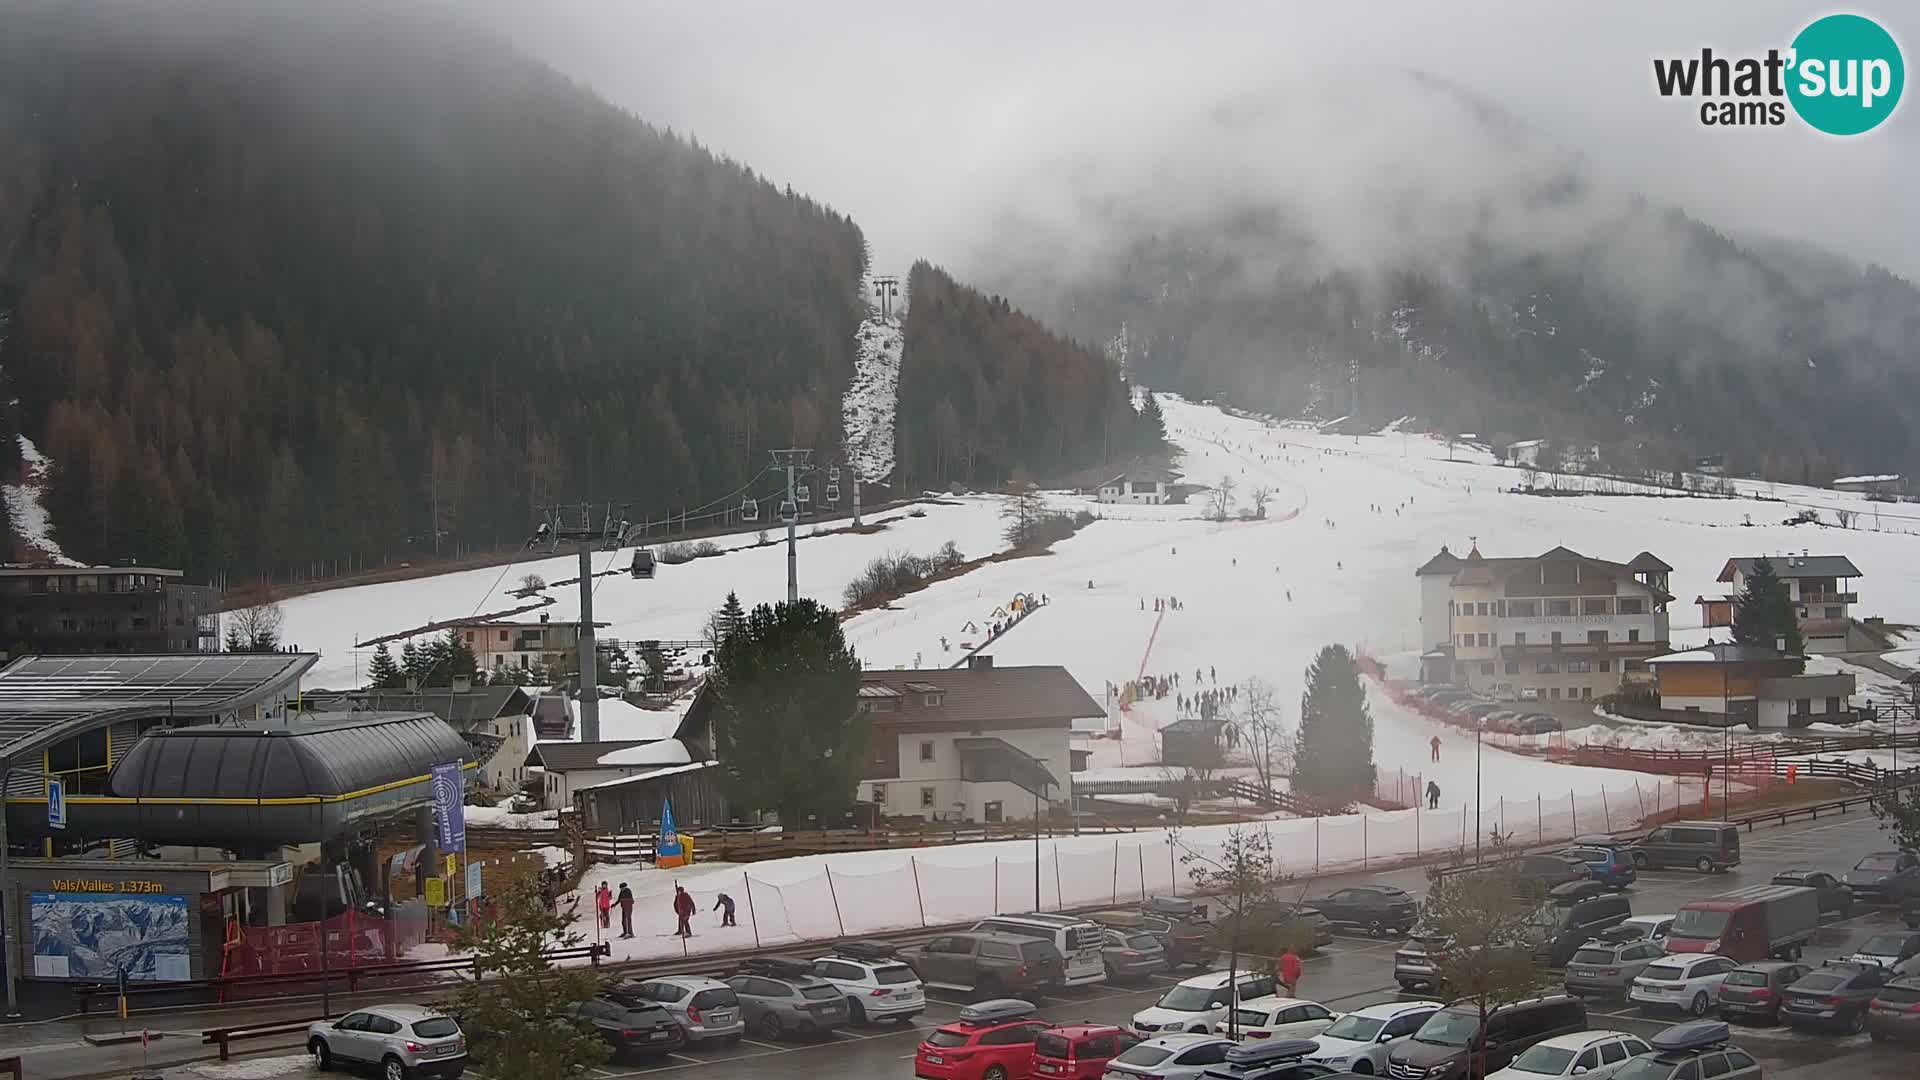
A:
603	901
1287	970
684	907
1436	748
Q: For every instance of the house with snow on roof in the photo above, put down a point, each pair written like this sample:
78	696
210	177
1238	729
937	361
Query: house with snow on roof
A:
1878	484
1557	626
1821	589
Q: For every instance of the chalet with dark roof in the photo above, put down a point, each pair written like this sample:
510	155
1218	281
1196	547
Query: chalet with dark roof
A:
1820	587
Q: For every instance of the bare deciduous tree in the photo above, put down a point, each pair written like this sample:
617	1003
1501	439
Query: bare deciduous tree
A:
1259	728
1220	500
254	629
1260	496
532	583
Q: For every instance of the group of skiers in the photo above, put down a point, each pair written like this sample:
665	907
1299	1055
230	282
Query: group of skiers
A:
1208	702
684	908
1162	603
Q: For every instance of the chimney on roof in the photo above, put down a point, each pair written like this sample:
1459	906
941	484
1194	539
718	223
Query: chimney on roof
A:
979	662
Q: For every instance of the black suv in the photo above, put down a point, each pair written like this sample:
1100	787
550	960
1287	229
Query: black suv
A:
1833	995
1378	908
1538	875
1439	1049
1564	927
633	1026
1707	846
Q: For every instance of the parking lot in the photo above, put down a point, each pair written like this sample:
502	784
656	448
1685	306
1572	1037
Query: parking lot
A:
1356	970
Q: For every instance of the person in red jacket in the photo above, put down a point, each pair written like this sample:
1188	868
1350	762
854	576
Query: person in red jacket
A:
684	907
1436	748
1287	969
603	900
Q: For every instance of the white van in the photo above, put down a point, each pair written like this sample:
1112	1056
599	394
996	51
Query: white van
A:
1079	941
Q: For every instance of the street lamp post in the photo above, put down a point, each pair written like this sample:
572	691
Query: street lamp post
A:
1726	739
1478	724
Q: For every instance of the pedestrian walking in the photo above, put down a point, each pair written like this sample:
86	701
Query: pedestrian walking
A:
683	908
625	900
1433	795
725	908
603	902
1435	743
1287	970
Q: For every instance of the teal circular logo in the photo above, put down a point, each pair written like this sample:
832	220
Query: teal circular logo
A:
1847	74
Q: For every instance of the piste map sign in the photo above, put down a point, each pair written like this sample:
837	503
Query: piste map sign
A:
449	815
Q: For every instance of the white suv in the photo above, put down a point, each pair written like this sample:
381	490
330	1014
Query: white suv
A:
876	988
403	1041
1198	1003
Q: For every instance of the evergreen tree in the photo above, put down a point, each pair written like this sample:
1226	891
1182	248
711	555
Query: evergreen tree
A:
1335	752
382	672
1763	613
518	996
235	641
787	733
1151	436
413	664
459	658
726	620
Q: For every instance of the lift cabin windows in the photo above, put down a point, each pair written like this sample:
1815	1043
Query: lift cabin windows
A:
749	510
643	563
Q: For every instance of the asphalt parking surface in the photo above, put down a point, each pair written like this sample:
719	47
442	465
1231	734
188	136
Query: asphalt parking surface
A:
1356	970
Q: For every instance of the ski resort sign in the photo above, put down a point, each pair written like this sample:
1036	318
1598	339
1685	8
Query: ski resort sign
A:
1842	75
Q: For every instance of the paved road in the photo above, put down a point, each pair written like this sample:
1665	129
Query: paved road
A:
1354	971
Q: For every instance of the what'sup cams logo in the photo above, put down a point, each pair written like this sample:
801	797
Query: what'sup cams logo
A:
1842	75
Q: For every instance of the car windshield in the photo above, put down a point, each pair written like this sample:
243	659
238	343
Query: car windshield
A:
1746	978
1144	1055
436	1027
1191	998
1448	1027
1645	1067
1878	862
1355	1028
1884	945
1593	956
946	1040
893	975
1054	1046
1547	1060
1694	923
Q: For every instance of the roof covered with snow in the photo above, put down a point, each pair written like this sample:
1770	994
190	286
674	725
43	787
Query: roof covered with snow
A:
1795	566
658	752
1882	478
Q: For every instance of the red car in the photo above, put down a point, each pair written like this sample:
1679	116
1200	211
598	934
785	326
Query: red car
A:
1078	1051
991	1041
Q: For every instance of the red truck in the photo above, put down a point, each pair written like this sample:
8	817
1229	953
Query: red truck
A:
1748	924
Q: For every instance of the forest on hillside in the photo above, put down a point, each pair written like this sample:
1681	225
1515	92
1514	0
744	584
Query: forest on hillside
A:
989	395
281	286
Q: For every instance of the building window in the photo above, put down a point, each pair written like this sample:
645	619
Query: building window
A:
1603	665
1596	637
1834	612
1559	607
1833	704
469	637
1586	693
992	812
1556	637
926	798
1486	669
1523	609
1802	706
1483	609
1546	667
1466	641
1486	641
1553	694
1579	667
1633	635
1513	668
1519	637
1632	605
934	700
503	635
926	751
880	794
1597	605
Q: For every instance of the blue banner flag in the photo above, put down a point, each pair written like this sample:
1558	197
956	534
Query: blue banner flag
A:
668	845
449	813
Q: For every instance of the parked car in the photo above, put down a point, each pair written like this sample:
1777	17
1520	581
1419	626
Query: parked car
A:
1562	927
707	1010
1753	923
1754	991
1413	961
400	1040
1689	982
1175	907
1077	940
989	965
1537	875
1537	724
1361	1040
1478	709
635	1027
1833	995
781	995
1378	908
1877	877
1895	1012
1888	950
992	1040
1131	957
1276	1017
1439	1049
876	984
1609	866
1595	1054
1835	898
1078	1051
1181	1056
1198	1003
1183	941
1604	969
1707	846
1653	928
1275	923
1282	1060
1691	1051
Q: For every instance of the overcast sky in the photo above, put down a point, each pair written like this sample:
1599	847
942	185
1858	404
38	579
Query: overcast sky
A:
926	121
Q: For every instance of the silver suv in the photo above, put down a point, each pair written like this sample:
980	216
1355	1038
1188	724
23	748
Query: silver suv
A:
707	1010
403	1041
